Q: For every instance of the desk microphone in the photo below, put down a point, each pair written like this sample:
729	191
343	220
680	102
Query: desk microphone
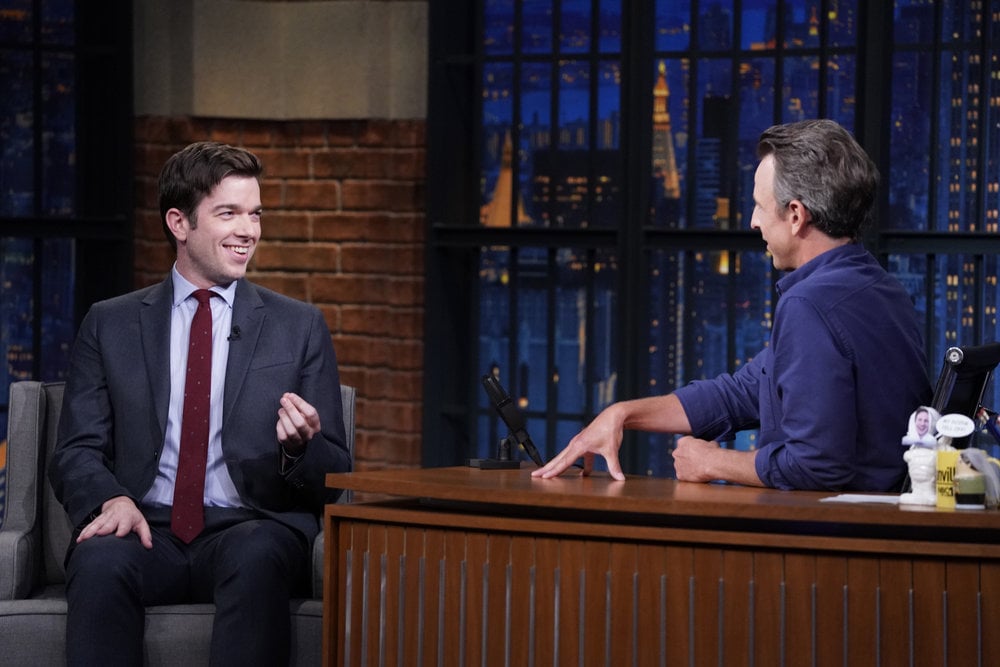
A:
234	333
511	416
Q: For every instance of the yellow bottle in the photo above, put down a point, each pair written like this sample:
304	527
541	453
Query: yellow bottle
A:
947	460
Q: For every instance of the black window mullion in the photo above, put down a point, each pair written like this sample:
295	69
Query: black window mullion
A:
824	56
593	79
37	111
933	279
933	173
979	297
551	344
38	184
779	60
589	355
982	155
515	123
513	331
636	144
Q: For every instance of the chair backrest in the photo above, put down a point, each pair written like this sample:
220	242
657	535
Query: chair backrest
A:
32	509
31	506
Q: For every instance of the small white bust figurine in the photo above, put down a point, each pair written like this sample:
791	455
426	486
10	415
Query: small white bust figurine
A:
922	462
921	457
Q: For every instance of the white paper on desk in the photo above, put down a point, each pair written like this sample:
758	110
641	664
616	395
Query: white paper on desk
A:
861	498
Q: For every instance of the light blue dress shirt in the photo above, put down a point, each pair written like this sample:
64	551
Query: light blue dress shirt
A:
219	488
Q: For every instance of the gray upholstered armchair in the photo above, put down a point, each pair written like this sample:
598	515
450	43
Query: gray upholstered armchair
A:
33	540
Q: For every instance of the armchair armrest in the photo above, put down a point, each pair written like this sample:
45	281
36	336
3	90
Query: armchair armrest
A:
17	564
19	538
317	565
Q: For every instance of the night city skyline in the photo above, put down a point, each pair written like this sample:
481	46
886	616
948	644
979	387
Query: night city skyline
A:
708	312
551	152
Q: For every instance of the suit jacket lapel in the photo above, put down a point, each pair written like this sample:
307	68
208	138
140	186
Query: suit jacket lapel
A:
154	328
248	315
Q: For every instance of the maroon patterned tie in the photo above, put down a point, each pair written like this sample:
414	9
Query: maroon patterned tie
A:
187	518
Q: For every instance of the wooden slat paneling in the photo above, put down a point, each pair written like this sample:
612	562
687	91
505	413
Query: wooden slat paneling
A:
624	610
800	616
476	560
768	608
395	548
989	581
707	576
680	578
928	613
831	610
737	573
570	605
413	584
895	594
862	611
963	631
546	570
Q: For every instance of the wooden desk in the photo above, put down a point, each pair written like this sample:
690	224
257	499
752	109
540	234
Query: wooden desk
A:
470	563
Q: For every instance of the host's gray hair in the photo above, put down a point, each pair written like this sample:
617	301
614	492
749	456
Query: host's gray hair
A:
819	163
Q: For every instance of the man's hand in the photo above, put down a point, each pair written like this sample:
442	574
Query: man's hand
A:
120	516
602	437
692	459
697	460
298	422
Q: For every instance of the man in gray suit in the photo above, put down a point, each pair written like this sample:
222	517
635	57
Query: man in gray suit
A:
272	421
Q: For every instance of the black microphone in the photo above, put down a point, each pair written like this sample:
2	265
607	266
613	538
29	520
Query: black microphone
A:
511	416
234	333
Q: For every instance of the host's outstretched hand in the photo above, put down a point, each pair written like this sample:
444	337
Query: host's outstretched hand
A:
602	437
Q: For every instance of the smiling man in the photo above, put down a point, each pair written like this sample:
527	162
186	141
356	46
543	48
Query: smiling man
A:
845	366
200	419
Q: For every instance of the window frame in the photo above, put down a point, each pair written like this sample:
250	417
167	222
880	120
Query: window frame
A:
100	226
451	380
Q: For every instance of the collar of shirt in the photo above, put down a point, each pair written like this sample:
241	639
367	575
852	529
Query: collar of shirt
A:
183	289
791	279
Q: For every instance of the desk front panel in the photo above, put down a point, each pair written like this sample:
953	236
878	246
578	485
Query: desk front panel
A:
430	584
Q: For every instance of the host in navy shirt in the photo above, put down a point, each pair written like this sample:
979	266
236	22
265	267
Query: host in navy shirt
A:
845	366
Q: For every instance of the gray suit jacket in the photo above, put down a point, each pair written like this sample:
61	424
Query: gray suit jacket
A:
115	409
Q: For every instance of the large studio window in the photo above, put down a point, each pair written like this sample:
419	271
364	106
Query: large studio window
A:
591	196
65	177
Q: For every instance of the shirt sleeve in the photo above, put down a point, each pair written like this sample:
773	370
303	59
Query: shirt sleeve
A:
716	409
812	444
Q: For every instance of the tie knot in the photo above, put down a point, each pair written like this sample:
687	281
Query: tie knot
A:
203	295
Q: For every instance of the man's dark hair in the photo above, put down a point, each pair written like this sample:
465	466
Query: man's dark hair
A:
189	175
819	163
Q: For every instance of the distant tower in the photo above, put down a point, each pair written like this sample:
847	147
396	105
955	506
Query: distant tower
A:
496	212
666	287
663	141
666	195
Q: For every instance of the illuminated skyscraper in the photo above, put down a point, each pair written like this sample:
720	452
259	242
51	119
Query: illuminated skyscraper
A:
496	212
667	319
666	194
